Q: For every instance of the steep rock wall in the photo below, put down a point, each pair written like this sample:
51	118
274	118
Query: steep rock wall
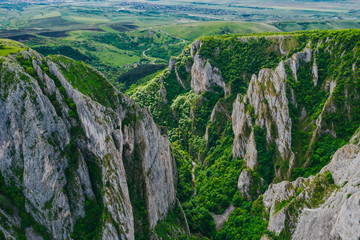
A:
266	106
53	136
318	207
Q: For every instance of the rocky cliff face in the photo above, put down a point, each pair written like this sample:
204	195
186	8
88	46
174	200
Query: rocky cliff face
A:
324	206
308	208
266	106
266	113
69	140
204	76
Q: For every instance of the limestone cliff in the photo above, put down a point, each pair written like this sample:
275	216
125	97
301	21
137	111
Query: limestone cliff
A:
266	106
68	139
324	206
275	102
260	116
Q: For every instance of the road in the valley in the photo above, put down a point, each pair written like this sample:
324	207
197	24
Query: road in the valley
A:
153	60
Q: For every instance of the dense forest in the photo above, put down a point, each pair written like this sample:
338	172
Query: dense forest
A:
205	141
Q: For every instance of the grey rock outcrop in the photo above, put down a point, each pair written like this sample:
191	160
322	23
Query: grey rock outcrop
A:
222	218
173	66
338	216
158	171
249	185
31	235
251	153
220	114
204	76
194	48
295	61
218	111
332	215
242	126
274	195
172	62
46	114
315	73
9	224
245	183
267	97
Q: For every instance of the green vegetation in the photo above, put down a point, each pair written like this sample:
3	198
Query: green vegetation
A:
321	187
191	31
199	218
283	204
289	26
173	227
265	155
246	222
216	182
138	75
63	50
95	86
208	144
109	36
237	63
201	109
136	185
165	52
312	153
89	226
69	28
202	146
216	173
184	166
317	191
8	47
113	53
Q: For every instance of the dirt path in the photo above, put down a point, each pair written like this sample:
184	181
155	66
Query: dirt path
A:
222	218
182	40
153	60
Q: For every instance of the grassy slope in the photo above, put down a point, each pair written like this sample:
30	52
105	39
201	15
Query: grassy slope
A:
7	47
192	31
288	26
108	51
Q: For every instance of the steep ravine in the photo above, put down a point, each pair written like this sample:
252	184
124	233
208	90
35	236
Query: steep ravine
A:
265	125
258	114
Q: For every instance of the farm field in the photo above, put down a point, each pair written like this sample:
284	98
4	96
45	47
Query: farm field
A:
191	31
116	37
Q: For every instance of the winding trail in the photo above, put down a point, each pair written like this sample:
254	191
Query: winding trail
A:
182	40
152	59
